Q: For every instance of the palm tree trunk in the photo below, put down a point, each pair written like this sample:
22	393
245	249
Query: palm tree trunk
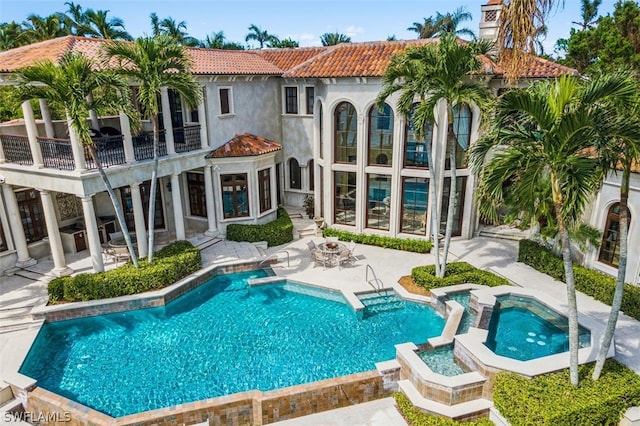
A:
433	202
572	302
607	338
116	206
452	198
152	191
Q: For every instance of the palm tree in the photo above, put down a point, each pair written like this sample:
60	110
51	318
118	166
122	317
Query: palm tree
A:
76	19
434	73
616	152
544	134
155	24
589	14
520	22
428	29
37	28
11	35
77	87
331	39
285	43
215	41
100	26
155	62
449	23
261	36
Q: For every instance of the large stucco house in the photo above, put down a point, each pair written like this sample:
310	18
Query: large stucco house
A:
274	126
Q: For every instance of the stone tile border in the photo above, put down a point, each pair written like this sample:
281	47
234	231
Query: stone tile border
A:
245	408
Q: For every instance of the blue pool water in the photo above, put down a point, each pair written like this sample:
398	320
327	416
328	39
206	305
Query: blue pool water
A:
221	338
517	331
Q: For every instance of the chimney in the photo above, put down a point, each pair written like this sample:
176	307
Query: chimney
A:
490	20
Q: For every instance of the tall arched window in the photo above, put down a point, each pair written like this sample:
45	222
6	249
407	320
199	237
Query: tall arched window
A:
461	135
415	151
346	133
295	177
610	247
380	136
311	175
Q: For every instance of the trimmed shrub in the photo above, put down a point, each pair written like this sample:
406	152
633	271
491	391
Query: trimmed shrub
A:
596	284
406	244
172	263
275	233
416	417
550	399
456	273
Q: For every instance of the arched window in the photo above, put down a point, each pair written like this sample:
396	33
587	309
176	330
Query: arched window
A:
311	175
415	152
295	178
610	247
461	135
346	133
380	136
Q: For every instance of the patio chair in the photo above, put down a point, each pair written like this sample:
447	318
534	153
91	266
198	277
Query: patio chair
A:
318	257
121	253
352	249
107	253
332	239
344	257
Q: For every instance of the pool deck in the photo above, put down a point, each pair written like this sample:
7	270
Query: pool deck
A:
19	294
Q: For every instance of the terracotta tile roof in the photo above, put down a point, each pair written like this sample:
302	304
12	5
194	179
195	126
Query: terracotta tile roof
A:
231	62
368	59
244	146
285	59
494	2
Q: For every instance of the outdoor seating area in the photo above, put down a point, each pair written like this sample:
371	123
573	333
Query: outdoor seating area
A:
332	252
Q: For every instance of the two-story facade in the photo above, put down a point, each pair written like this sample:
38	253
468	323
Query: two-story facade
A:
274	127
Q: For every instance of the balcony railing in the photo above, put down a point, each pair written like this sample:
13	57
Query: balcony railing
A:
16	149
187	138
57	153
143	146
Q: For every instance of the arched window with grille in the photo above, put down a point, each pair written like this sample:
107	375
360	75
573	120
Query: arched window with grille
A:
610	247
346	133
295	177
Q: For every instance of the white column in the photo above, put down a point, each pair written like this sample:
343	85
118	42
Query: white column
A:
91	227
202	119
76	147
32	133
93	117
166	118
208	198
176	197
17	231
125	128
138	218
46	116
57	253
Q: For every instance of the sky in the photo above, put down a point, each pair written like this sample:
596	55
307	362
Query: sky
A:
300	20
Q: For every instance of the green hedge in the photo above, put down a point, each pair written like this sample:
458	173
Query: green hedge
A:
275	233
416	417
171	263
550	399
456	273
596	284
406	244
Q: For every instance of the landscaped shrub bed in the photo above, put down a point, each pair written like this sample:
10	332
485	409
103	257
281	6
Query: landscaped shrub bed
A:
416	417
550	399
417	246
596	284
456	273
279	231
171	263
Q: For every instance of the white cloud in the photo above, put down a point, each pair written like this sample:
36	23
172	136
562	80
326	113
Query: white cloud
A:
353	30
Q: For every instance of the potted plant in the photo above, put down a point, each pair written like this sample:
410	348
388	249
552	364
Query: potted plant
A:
308	206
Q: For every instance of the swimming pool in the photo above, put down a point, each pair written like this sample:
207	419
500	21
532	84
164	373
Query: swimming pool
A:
221	338
522	328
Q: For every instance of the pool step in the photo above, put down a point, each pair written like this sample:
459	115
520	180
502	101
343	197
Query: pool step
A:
478	407
10	407
377	305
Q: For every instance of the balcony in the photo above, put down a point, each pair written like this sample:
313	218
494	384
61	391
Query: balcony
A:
58	154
